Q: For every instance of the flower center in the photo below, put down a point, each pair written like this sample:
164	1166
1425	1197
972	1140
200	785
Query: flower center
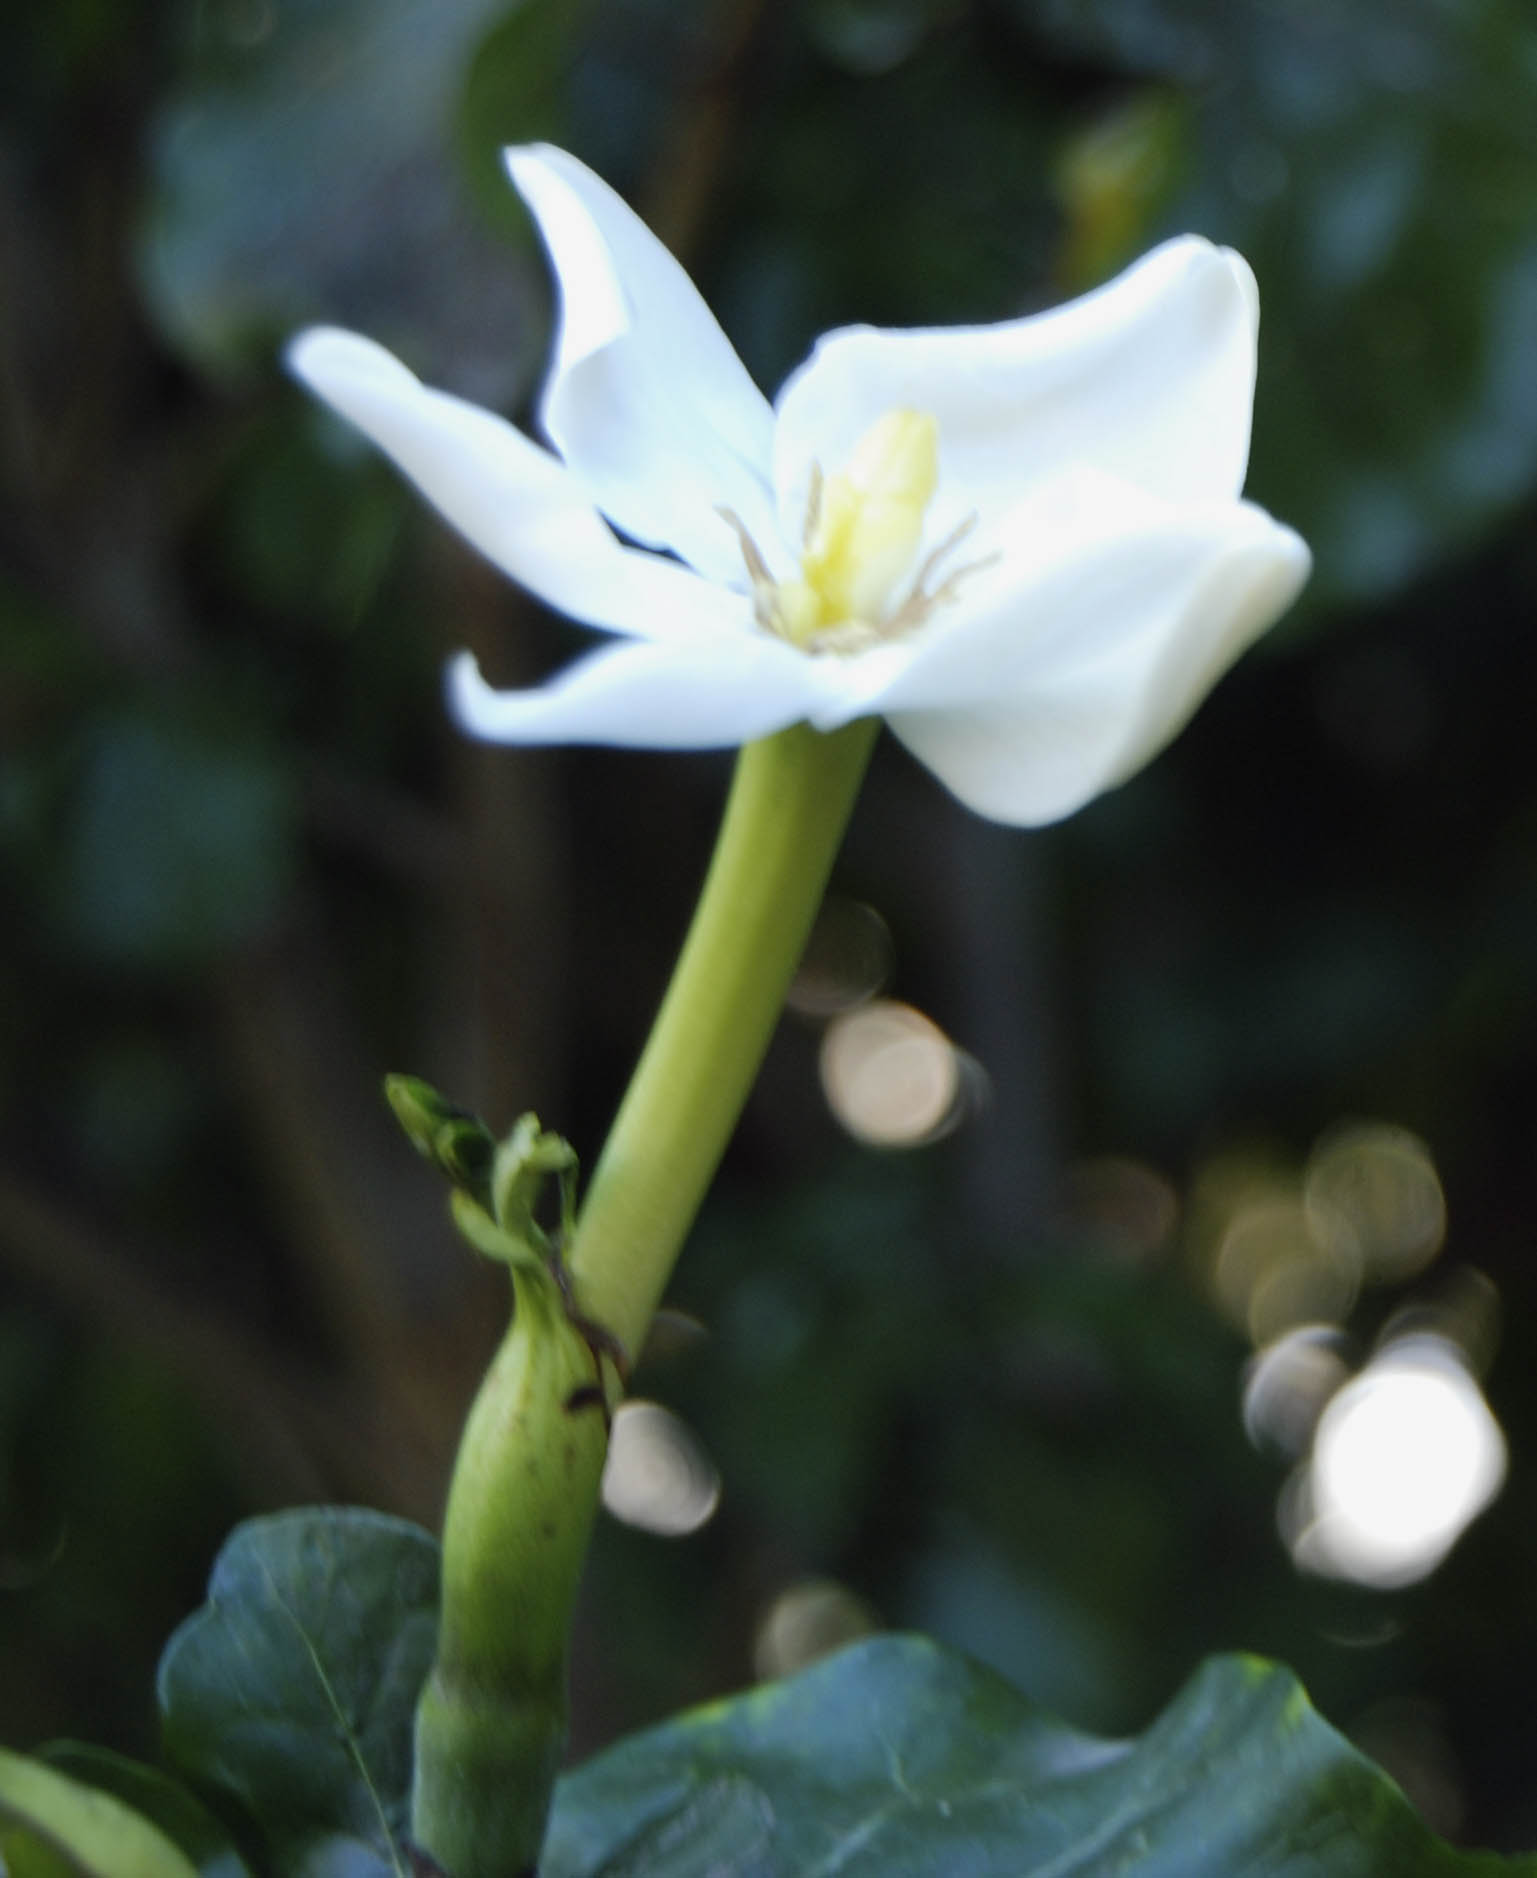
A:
863	526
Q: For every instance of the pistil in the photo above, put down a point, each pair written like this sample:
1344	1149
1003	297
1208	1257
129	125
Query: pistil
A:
862	529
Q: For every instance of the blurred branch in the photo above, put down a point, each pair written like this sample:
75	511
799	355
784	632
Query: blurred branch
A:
501	982
20	444
297	1438
99	496
335	1170
386	827
689	170
268	1416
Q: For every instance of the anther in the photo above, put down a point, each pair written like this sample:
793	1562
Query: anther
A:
922	600
813	503
757	567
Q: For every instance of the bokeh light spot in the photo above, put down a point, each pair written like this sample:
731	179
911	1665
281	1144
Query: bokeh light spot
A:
808	1619
891	1076
1123	1205
1405	1456
1271	1274
1288	1384
1374	1188
846	961
657	1475
1464	1309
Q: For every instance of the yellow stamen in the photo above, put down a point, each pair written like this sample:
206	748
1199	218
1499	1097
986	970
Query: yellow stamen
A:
869	520
863	527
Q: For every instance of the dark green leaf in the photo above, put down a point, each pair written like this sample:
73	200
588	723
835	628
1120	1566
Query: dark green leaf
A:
54	1827
610	80
1378	167
24	1855
306	525
839	213
516	91
155	1797
304	170
869	37
896	1757
179	840
292	1690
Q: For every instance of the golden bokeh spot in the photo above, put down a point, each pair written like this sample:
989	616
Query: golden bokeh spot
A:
809	1619
891	1075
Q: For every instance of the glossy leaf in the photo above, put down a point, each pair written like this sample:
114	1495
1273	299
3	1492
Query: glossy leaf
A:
292	1691
51	1824
897	1757
156	1797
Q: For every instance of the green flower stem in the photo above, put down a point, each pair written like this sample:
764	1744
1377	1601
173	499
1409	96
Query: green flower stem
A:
790	802
491	1723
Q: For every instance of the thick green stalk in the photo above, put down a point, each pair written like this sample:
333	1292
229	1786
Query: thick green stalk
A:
490	1726
491	1721
790	802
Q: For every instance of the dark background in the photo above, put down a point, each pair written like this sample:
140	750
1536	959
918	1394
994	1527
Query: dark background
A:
984	1385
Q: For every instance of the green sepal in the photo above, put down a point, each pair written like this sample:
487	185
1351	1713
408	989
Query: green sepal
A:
522	1163
481	1231
496	1185
458	1143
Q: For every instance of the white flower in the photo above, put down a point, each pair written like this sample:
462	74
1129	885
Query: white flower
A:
1022	544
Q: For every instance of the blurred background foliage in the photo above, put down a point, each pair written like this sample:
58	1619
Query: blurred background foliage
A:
989	1385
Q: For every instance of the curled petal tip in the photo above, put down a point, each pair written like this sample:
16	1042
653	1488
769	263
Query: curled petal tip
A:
464	689
307	350
328	358
517	156
518	159
1248	286
1290	567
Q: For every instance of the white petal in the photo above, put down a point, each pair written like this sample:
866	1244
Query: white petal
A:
693	695
646	401
1061	686
1150	379
512	499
